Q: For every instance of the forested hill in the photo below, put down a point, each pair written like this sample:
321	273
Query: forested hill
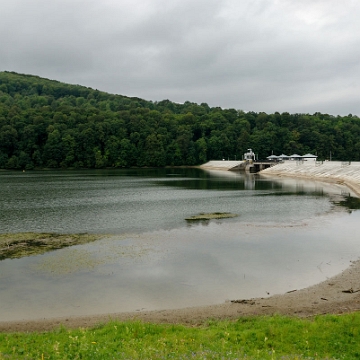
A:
46	123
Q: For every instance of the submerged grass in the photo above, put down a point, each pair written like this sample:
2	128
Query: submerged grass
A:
209	216
276	337
18	245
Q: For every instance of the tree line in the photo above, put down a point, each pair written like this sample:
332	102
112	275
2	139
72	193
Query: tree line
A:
49	124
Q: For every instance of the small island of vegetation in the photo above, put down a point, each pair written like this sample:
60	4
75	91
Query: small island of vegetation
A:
19	245
209	216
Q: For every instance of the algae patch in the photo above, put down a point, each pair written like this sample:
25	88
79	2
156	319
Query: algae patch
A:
19	245
92	257
209	216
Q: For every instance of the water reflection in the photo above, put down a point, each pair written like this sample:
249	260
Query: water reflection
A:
191	266
287	236
138	200
217	180
349	202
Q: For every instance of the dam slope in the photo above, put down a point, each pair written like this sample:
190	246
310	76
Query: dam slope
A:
223	165
346	173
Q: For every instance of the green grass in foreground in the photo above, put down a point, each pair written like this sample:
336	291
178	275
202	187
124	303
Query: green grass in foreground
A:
277	337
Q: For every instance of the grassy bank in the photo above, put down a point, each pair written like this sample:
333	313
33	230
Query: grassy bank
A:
324	337
26	244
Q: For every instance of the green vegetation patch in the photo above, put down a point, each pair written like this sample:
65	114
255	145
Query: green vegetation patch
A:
105	251
276	337
25	244
209	216
49	124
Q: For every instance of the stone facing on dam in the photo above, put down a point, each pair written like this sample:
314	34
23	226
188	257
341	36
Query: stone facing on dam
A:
223	165
347	173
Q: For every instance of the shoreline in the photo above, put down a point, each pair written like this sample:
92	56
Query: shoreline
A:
337	295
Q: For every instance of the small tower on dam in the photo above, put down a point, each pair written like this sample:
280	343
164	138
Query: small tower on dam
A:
249	156
249	163
252	165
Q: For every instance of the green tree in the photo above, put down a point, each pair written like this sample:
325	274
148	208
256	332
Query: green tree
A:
201	151
53	149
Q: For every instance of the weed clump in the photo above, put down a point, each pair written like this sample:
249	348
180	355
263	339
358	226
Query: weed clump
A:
209	216
19	245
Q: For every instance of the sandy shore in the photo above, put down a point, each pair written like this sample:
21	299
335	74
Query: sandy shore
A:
337	295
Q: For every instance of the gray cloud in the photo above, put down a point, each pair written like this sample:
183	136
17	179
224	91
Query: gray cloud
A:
260	55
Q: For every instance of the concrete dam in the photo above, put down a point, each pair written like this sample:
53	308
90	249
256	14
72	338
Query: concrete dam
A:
340	172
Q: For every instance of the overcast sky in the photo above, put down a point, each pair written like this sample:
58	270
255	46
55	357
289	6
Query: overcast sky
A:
254	55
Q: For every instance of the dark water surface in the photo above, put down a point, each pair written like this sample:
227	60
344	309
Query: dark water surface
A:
290	234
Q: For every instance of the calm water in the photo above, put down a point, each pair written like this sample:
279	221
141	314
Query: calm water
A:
290	234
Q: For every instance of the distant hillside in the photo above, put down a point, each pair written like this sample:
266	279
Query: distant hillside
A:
46	123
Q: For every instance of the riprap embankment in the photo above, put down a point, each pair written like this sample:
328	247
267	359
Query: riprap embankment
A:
346	173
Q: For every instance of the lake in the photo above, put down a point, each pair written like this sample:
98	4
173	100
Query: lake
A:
289	234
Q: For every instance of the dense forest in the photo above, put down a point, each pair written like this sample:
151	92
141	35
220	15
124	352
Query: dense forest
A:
49	124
